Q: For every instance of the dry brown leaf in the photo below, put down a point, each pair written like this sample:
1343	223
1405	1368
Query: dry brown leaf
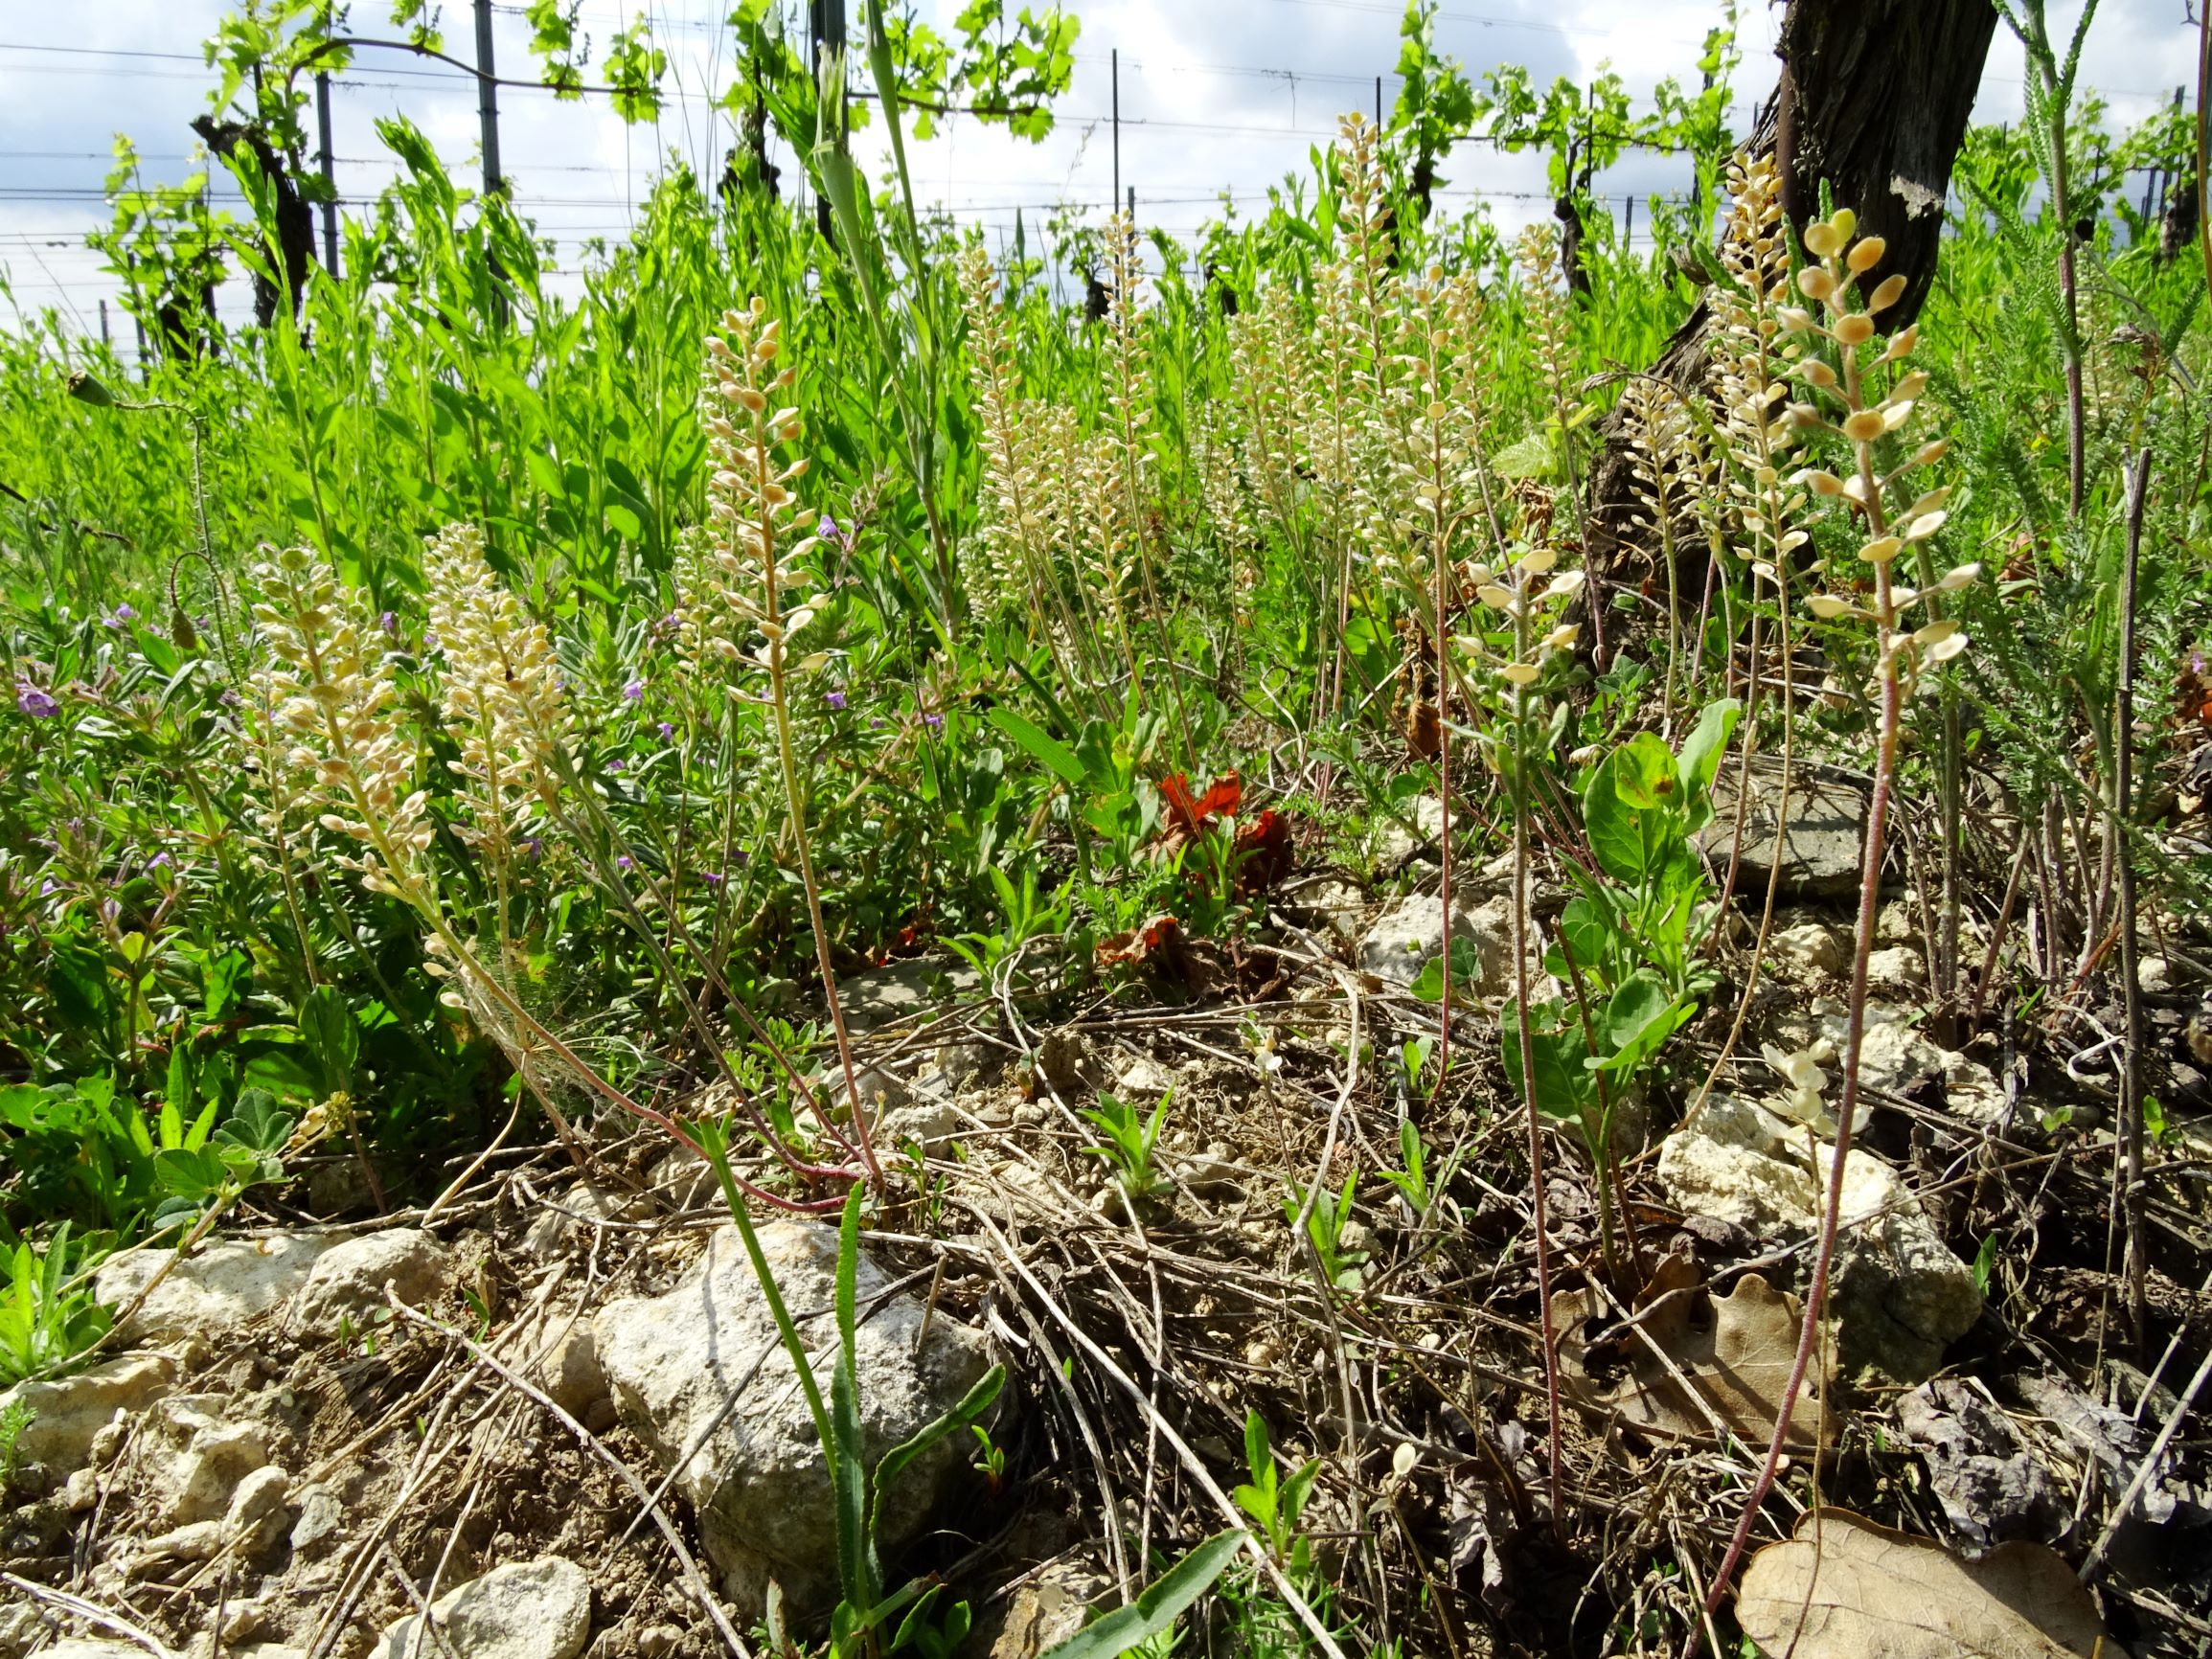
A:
1844	1588
1735	1352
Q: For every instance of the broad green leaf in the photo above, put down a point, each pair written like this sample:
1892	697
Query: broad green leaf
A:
1644	772
1564	1087
1155	1611
1056	756
1701	752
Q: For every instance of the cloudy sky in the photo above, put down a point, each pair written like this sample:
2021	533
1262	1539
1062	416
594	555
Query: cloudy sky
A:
1215	95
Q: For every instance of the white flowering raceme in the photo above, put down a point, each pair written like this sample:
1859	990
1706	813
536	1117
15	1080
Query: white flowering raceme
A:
501	694
759	531
1843	400
331	702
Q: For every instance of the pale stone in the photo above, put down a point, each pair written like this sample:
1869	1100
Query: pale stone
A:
67	1412
1808	949
348	1281
758	1482
1826	840
1900	1293
904	992
1404	940
538	1609
197	1459
224	1285
1900	968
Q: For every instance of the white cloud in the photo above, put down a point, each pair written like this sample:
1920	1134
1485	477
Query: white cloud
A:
1215	95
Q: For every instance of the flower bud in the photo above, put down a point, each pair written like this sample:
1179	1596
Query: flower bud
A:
1866	253
1815	283
1855	330
1891	290
1822	241
1863	426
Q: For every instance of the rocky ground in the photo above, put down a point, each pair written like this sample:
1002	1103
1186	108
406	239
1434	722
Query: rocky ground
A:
555	1417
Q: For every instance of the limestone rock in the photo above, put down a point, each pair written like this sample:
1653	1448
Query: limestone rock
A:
933	1126
258	1509
1899	968
197	1459
1334	909
1895	1055
223	1286
538	1609
1411	933
1049	1607
68	1412
759	1482
1393	843
1826	840
903	992
348	1280
1901	1294
568	1214
1809	949
321	1512
565	1363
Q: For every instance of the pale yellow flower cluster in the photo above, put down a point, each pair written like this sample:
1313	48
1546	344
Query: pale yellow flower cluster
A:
1841	402
501	694
333	699
759	531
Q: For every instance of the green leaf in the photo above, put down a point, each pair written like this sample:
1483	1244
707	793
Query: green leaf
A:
1056	756
1564	1087
1701	752
1641	1017
1621	837
1644	774
848	1472
1155	1611
334	1036
893	1463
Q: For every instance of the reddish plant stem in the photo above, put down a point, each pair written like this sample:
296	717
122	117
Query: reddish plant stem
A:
1544	1266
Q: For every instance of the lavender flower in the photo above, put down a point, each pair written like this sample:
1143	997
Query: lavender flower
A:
156	862
835	700
615	764
121	615
623	861
634	692
712	877
38	704
389	621
47	886
666	730
934	722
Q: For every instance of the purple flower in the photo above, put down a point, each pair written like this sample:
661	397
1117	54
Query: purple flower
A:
835	700
634	692
875	722
230	699
120	615
712	877
38	704
535	846
156	862
46	886
667	730
623	862
389	621
933	721
615	764
110	909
